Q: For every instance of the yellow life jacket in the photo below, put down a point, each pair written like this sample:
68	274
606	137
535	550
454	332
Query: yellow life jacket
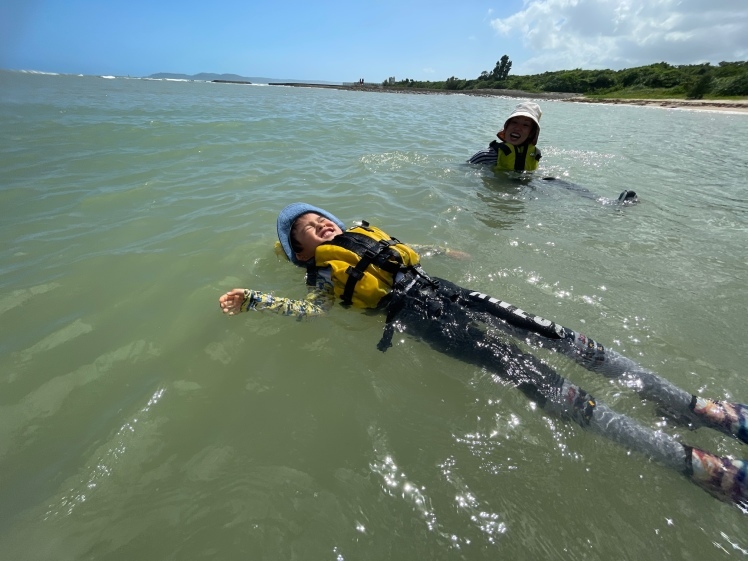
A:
517	158
364	262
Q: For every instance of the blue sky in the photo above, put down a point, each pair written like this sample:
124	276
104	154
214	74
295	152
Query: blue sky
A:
343	41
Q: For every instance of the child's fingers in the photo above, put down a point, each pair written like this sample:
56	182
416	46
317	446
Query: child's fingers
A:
456	254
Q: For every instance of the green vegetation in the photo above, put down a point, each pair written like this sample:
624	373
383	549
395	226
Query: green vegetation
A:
661	80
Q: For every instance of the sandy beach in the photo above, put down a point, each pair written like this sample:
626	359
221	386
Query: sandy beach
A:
736	105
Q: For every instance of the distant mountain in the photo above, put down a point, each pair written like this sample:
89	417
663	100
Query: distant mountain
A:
208	77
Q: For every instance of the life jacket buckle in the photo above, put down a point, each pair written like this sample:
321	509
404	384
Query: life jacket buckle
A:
355	273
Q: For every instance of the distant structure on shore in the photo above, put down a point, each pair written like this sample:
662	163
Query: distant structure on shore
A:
232	78
231	82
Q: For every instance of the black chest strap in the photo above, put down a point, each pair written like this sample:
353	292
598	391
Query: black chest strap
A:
520	156
370	252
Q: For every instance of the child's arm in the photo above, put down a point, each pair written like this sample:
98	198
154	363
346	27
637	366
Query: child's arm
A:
429	250
243	299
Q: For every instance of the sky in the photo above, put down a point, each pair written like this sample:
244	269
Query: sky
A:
344	41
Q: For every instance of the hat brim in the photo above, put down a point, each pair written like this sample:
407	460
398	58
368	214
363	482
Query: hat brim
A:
286	219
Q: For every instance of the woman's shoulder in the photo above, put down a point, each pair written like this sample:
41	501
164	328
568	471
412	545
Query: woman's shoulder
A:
487	156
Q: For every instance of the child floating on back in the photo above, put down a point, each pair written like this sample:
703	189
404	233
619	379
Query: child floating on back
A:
363	267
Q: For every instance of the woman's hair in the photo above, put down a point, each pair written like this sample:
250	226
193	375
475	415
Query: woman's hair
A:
533	134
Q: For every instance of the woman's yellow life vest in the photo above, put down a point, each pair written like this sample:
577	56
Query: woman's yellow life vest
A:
517	158
364	261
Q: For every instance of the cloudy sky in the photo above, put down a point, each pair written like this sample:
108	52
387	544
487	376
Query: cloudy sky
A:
344	41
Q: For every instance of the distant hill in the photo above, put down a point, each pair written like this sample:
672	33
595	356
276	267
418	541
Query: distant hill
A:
208	77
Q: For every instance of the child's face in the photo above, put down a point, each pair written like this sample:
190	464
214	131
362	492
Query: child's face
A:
518	130
311	230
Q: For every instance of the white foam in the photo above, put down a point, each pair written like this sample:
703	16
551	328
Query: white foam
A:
39	72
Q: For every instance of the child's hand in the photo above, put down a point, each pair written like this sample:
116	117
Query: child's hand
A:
231	302
455	254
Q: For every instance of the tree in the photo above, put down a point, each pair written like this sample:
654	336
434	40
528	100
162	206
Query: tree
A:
501	70
701	86
453	83
737	86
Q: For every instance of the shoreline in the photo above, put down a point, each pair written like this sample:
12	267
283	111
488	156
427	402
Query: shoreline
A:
731	105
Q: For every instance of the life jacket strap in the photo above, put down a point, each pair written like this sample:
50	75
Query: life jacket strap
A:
520	156
311	275
496	145
412	278
520	153
378	253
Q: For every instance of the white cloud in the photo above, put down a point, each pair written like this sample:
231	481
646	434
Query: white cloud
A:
615	34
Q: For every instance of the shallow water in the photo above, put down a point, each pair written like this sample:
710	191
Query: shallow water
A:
138	422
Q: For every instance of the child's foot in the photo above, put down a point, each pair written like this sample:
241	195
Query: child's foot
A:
731	418
722	476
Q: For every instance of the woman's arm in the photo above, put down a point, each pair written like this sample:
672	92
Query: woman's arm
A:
485	157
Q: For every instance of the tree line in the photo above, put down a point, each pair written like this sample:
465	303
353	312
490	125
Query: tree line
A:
692	81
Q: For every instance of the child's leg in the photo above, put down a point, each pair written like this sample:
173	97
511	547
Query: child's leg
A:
450	328
730	418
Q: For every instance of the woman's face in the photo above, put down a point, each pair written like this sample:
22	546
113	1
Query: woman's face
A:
518	130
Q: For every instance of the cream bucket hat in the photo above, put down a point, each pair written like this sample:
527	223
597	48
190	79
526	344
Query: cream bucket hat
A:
525	109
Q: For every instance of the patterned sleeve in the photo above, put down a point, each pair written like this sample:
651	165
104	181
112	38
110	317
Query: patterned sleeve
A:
318	301
267	302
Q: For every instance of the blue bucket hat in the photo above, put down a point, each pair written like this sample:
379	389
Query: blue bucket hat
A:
288	216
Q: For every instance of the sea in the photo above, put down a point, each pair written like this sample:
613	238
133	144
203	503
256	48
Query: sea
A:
139	422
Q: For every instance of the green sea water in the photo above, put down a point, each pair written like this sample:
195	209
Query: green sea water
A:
138	422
